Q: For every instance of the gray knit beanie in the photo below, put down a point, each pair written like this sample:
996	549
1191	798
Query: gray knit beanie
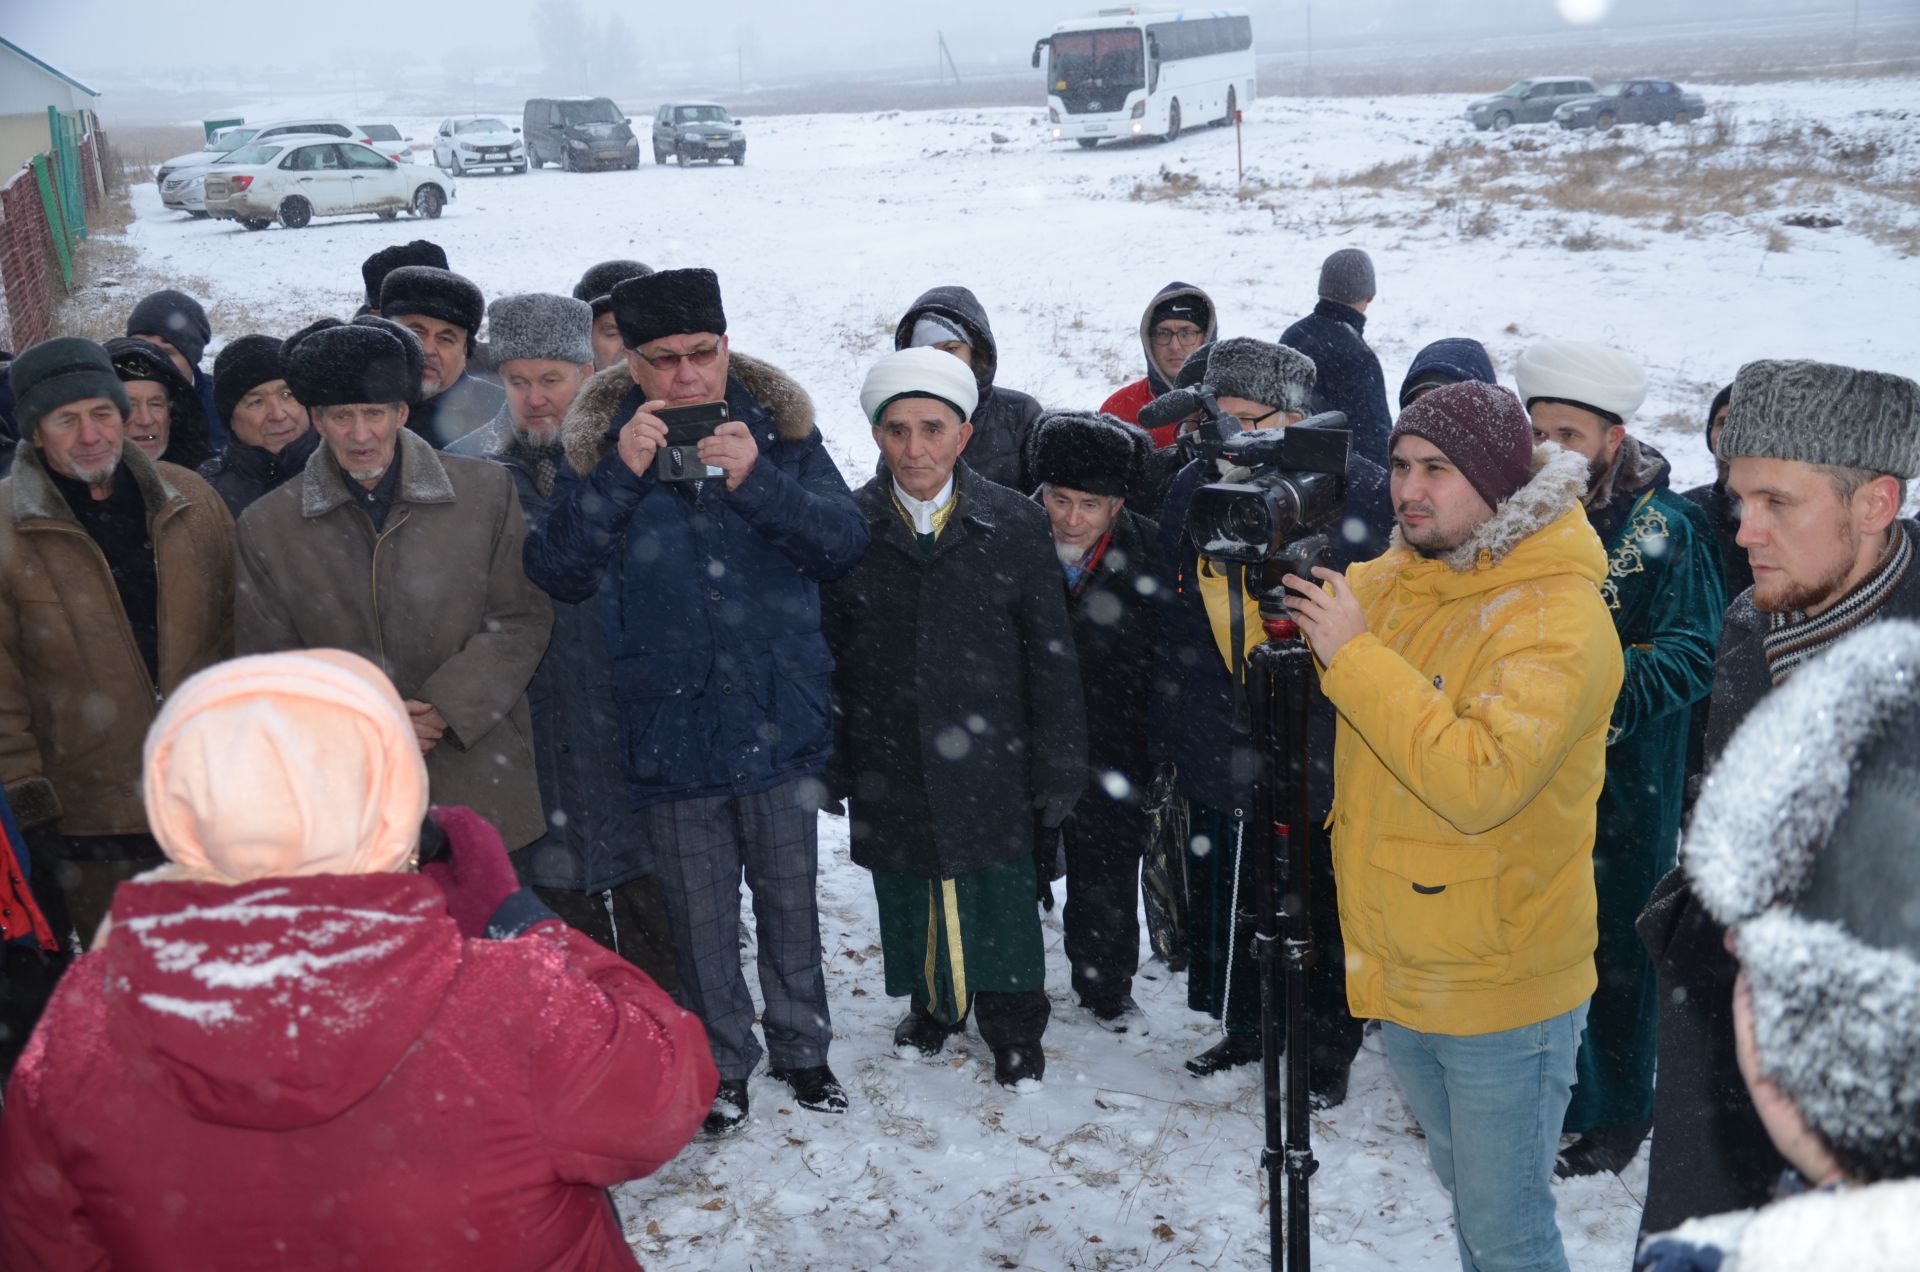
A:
1347	276
1260	372
539	325
1820	413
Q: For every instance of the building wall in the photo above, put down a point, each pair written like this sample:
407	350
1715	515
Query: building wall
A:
25	87
21	138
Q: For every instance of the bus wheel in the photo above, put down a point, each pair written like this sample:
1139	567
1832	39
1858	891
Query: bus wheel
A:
1173	120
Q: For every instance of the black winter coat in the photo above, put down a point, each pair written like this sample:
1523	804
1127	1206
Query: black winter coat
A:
1191	721
957	698
242	473
1349	378
1710	1152
1116	627
998	448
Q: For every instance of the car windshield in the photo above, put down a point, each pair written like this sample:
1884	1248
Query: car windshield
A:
480	126
254	154
1516	90
1614	90
597	111
232	140
700	115
380	132
1098	59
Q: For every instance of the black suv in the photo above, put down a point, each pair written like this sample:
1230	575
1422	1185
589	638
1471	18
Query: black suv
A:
697	130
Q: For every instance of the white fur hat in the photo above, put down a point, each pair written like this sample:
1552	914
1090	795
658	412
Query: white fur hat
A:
1592	376
921	372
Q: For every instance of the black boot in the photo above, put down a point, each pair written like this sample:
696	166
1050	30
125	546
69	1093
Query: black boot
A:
1014	1065
1229	1053
1328	1090
815	1088
729	1112
923	1033
1609	1148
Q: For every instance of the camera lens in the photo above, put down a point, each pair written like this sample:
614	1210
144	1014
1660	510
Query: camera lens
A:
1247	522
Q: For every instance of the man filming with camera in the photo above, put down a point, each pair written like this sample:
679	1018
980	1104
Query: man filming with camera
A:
1474	668
1199	674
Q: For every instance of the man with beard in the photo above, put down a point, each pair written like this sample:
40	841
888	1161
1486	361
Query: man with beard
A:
593	866
1819	457
443	311
116	584
1664	591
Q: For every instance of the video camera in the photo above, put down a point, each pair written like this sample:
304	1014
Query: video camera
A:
1275	517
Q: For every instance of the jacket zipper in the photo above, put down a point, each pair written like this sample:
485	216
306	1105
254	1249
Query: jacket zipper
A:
379	630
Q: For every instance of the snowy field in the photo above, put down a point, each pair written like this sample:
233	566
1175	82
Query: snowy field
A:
837	222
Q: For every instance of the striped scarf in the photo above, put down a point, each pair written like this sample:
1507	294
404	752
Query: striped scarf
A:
1792	639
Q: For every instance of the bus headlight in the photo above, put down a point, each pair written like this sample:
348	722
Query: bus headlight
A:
1138	127
1056	134
1139	110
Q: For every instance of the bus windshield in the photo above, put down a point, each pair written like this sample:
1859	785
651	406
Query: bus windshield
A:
1114	61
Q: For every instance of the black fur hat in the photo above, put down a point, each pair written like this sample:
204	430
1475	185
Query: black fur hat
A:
374	270
188	437
334	363
1080	450
243	366
436	293
672	302
597	284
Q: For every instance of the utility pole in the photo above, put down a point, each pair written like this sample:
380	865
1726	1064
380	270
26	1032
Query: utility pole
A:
947	55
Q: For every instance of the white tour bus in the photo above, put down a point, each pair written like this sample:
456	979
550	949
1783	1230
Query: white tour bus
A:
1125	73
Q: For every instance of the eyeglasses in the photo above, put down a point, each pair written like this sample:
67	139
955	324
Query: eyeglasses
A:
671	361
1252	421
1177	335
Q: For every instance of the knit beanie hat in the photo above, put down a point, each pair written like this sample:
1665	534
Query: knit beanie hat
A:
1275	374
243	366
1803	845
538	325
1448	361
933	329
284	765
433	293
374	270
60	371
1081	450
1819	413
597	284
922	372
671	302
176	318
1185	307
1590	376
1347	276
1481	428
334	363
1723	398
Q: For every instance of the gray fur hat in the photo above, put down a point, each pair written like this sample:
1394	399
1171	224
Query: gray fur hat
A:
1347	276
1804	844
1820	413
539	325
1260	372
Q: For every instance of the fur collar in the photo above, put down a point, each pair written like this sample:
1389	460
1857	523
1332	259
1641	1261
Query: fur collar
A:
423	478
1559	480
584	431
35	495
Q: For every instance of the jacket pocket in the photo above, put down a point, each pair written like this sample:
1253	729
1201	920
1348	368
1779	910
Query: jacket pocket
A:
656	694
802	701
1440	911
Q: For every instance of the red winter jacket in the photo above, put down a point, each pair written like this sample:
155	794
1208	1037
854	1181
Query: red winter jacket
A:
1126	403
323	1073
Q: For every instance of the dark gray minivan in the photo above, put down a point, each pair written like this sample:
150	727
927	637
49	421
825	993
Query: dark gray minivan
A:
579	133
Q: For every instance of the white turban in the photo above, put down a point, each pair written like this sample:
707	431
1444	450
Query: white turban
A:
1589	375
922	372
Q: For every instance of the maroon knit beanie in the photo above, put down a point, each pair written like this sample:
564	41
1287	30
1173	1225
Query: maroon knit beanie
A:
1482	428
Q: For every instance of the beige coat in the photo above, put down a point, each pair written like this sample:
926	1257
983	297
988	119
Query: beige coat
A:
437	600
75	695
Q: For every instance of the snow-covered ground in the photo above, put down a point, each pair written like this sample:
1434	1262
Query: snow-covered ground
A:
833	227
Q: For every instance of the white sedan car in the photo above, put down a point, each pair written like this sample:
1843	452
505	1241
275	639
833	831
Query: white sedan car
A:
473	143
294	179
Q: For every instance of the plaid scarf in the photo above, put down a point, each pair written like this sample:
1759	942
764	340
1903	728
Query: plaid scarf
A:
541	462
1792	639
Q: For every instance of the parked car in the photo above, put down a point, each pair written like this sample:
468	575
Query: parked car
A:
1635	101
579	133
178	178
476	143
697	130
296	178
389	141
1527	101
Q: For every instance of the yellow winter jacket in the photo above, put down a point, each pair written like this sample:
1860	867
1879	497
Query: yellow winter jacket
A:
1470	752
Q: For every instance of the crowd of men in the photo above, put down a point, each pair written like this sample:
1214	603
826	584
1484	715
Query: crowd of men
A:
1531	647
